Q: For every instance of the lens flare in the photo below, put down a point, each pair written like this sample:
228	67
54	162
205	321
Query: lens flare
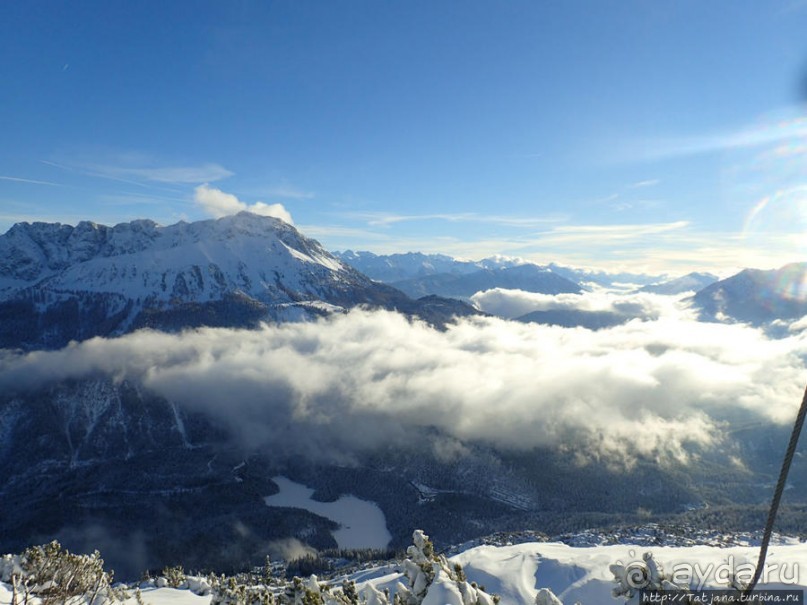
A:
780	213
791	282
777	220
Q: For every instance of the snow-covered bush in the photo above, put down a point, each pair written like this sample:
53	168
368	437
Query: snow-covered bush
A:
429	580
174	576
230	592
56	576
432	580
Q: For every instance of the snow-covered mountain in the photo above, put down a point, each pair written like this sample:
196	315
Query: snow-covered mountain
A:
755	296
528	277
59	282
398	269
606	279
262	257
418	274
391	268
691	282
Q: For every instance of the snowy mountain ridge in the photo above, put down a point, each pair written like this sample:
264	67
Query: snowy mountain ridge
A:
691	282
398	267
189	261
60	283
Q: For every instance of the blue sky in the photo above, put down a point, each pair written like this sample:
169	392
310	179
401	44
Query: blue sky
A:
652	135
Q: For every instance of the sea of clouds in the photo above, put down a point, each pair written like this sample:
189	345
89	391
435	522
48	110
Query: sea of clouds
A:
661	384
515	303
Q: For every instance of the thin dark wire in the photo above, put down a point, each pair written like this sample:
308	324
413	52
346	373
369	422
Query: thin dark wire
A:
777	494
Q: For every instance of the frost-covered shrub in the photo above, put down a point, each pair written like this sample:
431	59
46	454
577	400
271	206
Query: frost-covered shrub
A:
428	572
429	578
175	576
230	592
56	576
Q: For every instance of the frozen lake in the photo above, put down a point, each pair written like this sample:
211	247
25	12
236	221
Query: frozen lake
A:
362	524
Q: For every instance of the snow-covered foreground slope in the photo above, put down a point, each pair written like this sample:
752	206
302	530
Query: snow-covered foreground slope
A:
157	596
574	574
582	574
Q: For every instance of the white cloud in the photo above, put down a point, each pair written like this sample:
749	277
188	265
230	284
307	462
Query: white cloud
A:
217	203
363	380
175	174
515	303
290	192
797	326
613	233
645	183
29	181
141	170
770	131
525	222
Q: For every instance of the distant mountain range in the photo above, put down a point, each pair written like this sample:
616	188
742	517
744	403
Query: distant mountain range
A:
391	268
419	275
751	296
60	283
529	278
397	268
606	279
691	282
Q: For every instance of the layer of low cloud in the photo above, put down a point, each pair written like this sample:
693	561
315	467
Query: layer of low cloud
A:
290	549
511	304
217	203
797	326
364	380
